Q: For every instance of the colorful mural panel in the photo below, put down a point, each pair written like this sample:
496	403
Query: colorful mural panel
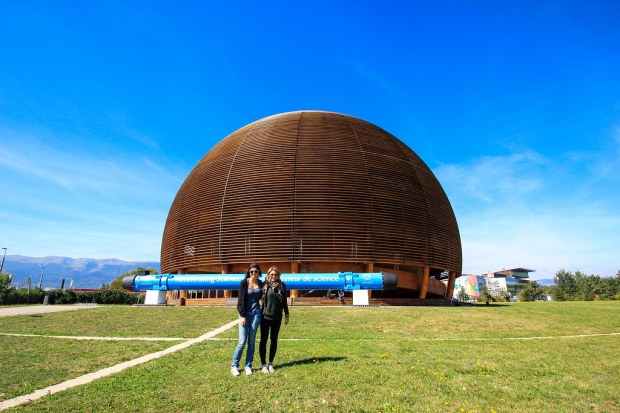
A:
469	283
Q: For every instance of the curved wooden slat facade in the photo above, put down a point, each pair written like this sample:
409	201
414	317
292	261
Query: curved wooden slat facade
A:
313	191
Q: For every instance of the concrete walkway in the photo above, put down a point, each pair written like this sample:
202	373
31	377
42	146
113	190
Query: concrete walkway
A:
40	309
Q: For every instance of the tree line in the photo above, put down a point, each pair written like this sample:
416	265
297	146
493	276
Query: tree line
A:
575	286
581	287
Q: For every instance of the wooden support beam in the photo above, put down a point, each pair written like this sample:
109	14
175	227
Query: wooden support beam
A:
225	270
450	287
370	267
294	270
182	294
424	281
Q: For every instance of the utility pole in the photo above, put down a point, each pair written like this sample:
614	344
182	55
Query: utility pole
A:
3	257
41	279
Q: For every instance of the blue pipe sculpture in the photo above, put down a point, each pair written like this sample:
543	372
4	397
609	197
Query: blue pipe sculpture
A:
347	281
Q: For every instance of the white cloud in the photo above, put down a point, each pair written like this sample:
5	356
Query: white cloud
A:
78	203
28	159
545	240
523	210
496	179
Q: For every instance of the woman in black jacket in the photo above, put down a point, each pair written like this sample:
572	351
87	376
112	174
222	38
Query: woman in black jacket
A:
274	303
248	306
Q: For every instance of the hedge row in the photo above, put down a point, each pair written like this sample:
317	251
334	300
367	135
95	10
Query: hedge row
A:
37	296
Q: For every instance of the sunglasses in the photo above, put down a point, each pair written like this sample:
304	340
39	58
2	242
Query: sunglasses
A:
253	272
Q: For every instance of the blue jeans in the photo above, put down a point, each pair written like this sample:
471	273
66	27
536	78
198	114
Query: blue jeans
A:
247	334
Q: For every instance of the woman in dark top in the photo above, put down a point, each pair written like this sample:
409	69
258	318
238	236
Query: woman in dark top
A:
274	303
248	306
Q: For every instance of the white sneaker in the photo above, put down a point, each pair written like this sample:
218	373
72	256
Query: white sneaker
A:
271	369
234	371
264	369
248	371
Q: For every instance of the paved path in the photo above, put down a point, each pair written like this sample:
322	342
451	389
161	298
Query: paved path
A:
40	309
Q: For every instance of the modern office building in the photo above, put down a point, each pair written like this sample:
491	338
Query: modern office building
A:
512	280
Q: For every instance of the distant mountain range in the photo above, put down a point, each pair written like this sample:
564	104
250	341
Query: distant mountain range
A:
84	272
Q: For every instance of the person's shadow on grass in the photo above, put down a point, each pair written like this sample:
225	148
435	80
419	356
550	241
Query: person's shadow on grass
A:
311	360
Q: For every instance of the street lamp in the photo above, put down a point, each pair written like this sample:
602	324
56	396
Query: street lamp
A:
3	257
41	279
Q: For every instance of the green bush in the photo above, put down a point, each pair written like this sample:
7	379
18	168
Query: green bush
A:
65	297
107	297
12	296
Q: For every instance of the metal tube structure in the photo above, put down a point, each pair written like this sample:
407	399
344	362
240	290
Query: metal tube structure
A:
347	281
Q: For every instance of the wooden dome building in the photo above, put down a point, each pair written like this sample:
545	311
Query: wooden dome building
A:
314	191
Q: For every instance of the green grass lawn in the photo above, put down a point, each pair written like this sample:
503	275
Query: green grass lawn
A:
393	359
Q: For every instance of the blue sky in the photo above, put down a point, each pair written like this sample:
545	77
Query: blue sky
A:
105	107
